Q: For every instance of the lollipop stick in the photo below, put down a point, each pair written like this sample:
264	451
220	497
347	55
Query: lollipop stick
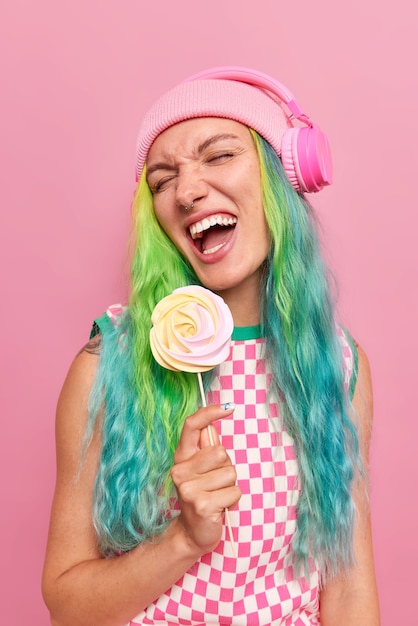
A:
228	522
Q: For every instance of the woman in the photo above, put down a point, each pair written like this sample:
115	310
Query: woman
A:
137	530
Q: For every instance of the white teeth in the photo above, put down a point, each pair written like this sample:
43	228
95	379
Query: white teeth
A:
212	250
198	227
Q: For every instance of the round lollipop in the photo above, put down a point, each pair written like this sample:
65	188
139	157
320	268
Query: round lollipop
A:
191	332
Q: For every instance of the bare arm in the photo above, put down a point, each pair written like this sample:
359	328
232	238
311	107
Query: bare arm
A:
80	587
352	599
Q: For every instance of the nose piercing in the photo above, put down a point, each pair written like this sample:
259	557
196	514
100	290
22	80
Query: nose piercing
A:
187	207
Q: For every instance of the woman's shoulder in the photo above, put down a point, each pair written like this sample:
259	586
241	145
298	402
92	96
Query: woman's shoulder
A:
73	401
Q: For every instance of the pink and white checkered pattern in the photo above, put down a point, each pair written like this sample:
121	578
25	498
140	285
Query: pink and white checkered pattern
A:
259	587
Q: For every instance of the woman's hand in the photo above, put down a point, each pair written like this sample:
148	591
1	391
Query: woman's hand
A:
205	479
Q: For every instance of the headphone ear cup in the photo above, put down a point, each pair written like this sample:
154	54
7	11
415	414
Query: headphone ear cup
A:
306	158
314	163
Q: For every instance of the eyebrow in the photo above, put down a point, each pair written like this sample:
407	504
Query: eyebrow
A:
214	139
198	151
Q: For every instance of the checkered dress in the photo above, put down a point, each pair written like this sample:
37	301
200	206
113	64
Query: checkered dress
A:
259	586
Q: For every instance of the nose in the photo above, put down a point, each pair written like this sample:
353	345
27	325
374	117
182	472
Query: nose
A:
190	187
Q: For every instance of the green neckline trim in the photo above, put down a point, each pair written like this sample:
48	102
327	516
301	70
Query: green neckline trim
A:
241	333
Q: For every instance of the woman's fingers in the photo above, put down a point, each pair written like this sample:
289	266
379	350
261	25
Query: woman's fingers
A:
204	477
195	433
204	465
204	494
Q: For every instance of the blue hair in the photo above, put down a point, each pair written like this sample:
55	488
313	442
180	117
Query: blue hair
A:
304	350
143	406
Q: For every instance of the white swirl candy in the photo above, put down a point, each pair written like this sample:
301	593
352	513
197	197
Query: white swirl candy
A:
191	330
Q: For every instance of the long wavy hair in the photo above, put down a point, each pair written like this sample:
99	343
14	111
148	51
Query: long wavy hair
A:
143	406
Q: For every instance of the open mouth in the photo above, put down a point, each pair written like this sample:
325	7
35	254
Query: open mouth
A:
212	233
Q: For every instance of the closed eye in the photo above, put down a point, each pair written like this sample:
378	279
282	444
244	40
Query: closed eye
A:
219	158
161	184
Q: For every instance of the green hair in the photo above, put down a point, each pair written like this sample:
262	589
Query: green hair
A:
145	404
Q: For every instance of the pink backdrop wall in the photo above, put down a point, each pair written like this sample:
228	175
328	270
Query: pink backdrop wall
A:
75	80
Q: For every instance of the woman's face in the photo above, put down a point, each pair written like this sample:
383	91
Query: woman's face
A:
213	163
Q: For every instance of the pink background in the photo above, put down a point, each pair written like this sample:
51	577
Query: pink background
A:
76	78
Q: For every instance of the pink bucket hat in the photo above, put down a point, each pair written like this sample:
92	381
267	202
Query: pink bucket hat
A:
255	100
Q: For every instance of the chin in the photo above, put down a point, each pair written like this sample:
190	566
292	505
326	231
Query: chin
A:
222	286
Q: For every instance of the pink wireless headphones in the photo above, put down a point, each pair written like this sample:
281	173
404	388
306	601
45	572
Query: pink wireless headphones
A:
305	151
